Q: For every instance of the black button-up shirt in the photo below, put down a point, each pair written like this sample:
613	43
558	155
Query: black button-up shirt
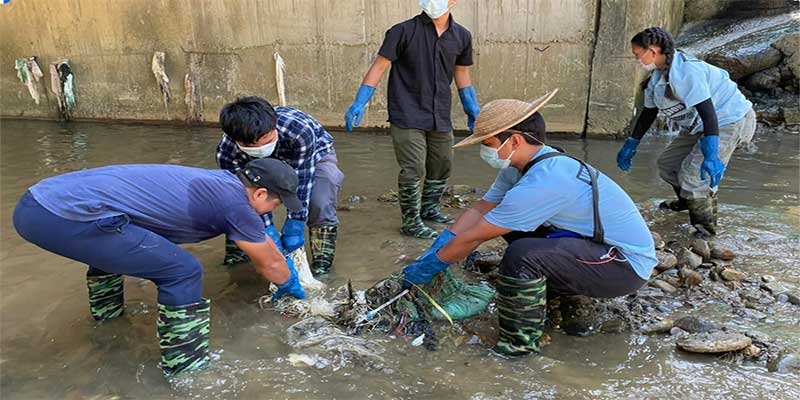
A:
423	65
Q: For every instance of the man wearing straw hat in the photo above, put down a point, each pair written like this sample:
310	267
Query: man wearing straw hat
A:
570	229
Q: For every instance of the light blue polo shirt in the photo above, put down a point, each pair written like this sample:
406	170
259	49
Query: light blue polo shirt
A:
693	81
557	192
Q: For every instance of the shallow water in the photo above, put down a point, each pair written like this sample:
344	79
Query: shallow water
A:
51	348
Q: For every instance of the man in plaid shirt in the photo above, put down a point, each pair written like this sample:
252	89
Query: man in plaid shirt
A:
252	128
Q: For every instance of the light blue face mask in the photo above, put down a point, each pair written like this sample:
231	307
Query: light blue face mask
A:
491	156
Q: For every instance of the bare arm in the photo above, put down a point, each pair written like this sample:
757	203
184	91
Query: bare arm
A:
376	71
469	240
268	260
462	76
472	216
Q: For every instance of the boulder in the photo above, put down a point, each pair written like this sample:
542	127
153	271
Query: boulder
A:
695	325
789	46
767	79
665	260
721	252
740	46
701	248
663	326
730	274
784	363
714	342
658	241
791	115
793	298
663	286
774	287
690	277
688	258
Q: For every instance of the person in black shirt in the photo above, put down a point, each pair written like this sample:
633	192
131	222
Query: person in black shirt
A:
426	53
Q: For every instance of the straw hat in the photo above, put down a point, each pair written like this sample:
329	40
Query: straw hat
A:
499	115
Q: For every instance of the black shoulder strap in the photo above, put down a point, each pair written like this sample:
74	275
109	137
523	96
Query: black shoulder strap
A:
599	233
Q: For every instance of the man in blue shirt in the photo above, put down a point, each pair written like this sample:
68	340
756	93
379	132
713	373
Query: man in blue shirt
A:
571	229
128	220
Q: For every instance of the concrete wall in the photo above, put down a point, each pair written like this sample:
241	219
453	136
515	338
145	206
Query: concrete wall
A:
615	92
523	48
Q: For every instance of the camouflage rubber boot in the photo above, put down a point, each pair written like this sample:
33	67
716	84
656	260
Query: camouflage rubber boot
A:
409	197
681	204
323	248
432	192
234	255
106	297
183	332
703	216
521	308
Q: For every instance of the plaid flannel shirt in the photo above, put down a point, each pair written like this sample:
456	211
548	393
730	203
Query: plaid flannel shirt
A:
302	142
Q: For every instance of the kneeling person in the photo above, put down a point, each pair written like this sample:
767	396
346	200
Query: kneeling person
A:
570	229
253	129
128	220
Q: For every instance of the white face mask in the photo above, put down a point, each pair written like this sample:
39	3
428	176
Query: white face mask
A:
434	8
261	151
647	67
491	156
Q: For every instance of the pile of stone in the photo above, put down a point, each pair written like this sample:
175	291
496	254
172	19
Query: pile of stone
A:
761	54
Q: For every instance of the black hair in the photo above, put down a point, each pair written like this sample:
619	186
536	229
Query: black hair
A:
534	126
660	37
247	119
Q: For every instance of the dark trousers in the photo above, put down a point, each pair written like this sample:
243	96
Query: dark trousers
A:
114	246
531	257
422	154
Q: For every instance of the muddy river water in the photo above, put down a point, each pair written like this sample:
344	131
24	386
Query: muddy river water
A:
51	348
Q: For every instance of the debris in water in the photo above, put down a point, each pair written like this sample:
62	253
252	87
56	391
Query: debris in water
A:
159	71
62	84
29	74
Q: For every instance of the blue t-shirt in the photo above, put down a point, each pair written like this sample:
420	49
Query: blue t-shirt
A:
556	192
693	81
182	204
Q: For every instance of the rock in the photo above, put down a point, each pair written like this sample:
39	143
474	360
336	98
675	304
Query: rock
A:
659	242
782	298
690	277
701	248
767	79
714	342
784	362
695	325
675	331
789	45
774	287
673	280
767	278
388	197
663	326
741	59
791	115
752	351
730	274
793	298
663	286
688	258
721	252
665	260
613	326
733	285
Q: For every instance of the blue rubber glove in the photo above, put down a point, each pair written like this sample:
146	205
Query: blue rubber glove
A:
292	285
272	232
712	166
292	235
444	237
469	100
356	111
423	270
626	153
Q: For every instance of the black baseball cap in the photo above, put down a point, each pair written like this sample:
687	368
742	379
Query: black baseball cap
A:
277	177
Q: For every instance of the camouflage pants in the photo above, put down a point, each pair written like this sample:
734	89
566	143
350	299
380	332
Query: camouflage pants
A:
679	164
